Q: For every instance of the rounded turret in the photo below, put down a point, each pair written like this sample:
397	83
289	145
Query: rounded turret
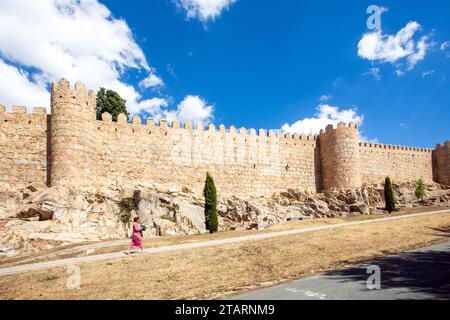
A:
71	133
441	164
339	153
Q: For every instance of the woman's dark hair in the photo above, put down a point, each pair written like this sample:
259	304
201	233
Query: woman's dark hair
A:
136	219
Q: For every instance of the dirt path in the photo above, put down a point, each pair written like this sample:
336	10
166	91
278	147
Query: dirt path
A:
114	255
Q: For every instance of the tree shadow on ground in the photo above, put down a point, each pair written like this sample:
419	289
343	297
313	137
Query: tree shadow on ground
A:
443	232
426	272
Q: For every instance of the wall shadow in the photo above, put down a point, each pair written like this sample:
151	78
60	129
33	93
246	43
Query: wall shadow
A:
419	272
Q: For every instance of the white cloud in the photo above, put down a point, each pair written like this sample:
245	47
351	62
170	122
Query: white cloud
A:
365	139
324	116
192	108
16	89
325	97
203	10
428	73
152	81
378	47
152	106
445	45
77	40
422	47
375	72
399	72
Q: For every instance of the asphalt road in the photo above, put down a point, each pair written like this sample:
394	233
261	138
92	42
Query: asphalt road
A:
419	274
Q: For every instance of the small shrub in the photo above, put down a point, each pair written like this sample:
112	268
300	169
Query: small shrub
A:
50	278
420	189
127	205
169	218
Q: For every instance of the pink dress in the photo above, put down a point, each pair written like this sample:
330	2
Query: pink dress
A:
136	238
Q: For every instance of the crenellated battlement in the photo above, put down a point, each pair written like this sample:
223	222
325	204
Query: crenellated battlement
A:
445	146
22	110
394	147
76	148
340	126
137	125
61	93
19	114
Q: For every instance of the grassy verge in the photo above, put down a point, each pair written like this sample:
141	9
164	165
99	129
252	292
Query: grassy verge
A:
218	272
78	250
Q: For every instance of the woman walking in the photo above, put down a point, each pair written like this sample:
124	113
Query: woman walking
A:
136	238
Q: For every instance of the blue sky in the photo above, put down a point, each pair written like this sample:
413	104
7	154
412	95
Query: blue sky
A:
260	64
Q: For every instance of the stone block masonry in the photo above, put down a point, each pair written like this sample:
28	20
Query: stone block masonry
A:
23	146
441	163
71	147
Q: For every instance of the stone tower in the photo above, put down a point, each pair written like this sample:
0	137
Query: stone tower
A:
339	154
441	164
72	134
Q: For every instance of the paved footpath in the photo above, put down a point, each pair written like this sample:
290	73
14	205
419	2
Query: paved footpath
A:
204	244
421	274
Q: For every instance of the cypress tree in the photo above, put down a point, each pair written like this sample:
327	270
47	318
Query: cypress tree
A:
210	193
389	195
420	189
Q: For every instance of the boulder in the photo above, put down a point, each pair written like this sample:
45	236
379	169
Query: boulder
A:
57	195
222	209
319	207
352	197
79	202
45	215
25	228
5	214
342	197
35	187
62	237
29	211
360	207
164	198
190	216
185	189
258	209
165	227
26	194
50	210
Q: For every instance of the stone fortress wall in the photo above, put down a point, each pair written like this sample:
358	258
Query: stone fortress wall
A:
23	145
71	147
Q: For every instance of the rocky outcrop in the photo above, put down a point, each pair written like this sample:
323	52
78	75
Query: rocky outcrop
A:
37	217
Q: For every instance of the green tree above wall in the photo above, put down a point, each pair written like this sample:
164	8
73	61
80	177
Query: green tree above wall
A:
111	102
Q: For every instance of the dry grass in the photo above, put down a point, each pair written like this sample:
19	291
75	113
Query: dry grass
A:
78	250
218	272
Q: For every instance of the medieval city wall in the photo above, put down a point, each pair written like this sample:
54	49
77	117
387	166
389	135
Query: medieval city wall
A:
71	147
241	161
402	164
23	146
